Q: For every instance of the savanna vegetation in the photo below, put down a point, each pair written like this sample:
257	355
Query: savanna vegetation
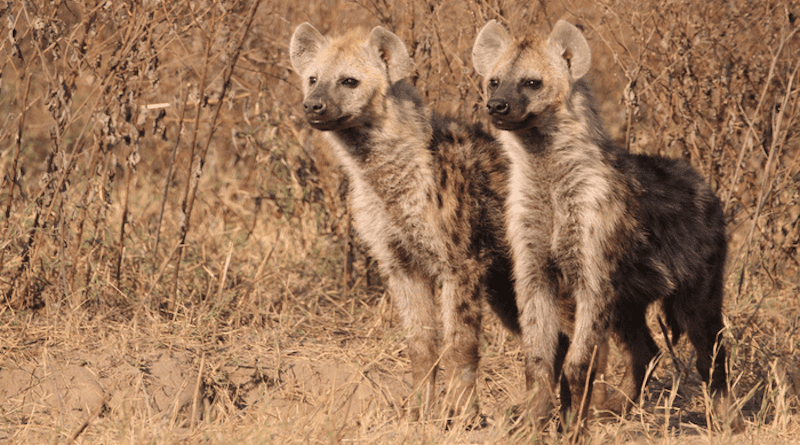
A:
177	263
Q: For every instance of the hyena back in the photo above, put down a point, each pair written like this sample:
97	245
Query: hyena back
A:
427	197
594	226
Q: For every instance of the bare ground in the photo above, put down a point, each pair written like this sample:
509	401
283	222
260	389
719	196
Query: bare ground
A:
339	383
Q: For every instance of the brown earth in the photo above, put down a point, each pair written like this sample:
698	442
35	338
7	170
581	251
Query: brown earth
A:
344	382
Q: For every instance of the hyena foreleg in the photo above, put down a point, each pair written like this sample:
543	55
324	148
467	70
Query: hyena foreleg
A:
585	360
461	316
413	297
537	288
540	337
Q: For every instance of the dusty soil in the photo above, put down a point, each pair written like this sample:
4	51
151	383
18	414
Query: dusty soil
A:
52	388
347	383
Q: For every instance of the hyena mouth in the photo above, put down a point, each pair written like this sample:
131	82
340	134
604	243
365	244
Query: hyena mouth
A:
324	124
507	123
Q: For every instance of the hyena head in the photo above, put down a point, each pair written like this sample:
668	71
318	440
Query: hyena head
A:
527	81
345	79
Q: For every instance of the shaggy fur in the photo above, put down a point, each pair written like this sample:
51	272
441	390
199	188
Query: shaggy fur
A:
427	197
596	228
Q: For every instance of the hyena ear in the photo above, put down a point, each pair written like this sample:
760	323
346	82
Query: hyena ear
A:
393	52
304	46
489	46
568	42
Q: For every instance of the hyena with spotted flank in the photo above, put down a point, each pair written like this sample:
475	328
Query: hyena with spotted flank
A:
427	197
596	228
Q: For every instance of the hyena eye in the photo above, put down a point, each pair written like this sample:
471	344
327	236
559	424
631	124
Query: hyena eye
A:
534	83
493	83
350	82
312	80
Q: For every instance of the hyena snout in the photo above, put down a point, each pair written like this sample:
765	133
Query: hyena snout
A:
322	114
315	107
508	112
498	107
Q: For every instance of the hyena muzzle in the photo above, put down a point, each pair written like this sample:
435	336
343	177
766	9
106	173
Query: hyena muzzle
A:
593	226
427	198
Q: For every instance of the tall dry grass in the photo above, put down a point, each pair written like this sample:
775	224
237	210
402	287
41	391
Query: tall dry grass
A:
162	194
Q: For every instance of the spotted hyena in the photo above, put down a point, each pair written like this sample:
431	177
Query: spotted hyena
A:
427	197
596	228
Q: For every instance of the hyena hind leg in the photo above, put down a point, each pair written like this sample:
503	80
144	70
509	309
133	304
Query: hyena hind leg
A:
704	328
461	315
638	349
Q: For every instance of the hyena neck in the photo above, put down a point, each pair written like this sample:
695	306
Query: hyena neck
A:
355	141
533	140
389	151
575	123
400	119
579	119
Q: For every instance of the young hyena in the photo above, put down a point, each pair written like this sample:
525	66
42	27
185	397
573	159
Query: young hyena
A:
594	227
427	197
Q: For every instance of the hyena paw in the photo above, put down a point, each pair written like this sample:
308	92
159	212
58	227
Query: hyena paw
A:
469	422
533	416
617	405
728	414
462	401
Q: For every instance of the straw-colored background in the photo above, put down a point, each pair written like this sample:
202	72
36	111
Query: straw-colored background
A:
176	259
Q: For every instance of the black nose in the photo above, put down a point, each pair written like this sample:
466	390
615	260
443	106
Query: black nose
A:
316	107
498	106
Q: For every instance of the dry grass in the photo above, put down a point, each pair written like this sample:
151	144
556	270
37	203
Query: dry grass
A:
176	261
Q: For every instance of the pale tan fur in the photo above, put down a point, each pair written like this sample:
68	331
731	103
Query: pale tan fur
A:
425	194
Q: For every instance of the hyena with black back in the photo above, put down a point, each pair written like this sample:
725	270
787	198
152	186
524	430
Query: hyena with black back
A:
427	197
596	228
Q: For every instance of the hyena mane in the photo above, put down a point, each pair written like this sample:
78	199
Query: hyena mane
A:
593	224
427	197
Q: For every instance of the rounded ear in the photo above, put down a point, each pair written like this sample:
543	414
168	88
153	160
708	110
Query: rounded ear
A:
569	43
392	51
489	46
304	46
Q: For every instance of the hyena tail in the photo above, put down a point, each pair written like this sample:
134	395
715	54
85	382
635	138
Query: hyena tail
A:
500	294
673	325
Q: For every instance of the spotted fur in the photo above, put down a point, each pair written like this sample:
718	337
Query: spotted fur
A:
427	197
595	227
